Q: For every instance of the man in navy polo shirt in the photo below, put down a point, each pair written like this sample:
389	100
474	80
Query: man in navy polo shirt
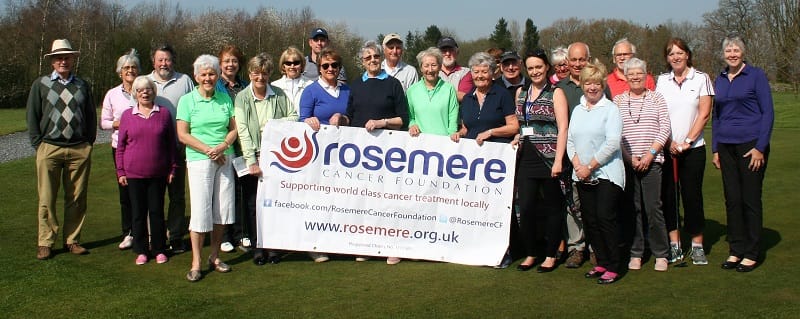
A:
317	41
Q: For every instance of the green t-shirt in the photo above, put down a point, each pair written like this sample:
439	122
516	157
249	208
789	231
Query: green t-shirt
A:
208	120
435	111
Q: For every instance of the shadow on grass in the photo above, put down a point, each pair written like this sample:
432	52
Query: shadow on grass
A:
714	233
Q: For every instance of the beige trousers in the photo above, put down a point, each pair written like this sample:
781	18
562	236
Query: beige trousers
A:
70	165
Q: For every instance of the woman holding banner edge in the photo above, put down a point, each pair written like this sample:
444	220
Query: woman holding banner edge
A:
377	101
488	114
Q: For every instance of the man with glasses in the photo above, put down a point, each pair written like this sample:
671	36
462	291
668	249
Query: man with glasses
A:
396	68
170	86
317	41
61	120
622	51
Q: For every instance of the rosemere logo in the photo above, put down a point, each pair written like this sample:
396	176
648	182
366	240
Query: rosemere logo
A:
295	154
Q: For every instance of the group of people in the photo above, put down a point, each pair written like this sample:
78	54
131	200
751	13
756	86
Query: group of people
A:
602	157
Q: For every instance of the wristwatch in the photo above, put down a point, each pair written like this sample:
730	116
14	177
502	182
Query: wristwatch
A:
688	141
653	151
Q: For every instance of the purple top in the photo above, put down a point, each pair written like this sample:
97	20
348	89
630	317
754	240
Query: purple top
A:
743	109
146	146
316	102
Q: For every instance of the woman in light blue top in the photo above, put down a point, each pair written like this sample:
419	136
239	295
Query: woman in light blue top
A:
593	145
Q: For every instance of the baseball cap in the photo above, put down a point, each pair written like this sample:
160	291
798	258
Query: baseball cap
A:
508	55
390	37
447	42
318	32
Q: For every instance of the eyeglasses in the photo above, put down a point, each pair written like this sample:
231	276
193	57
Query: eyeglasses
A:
142	90
291	63
622	54
334	65
129	68
261	74
635	75
371	57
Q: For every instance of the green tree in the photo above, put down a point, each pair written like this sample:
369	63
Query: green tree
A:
431	37
530	38
501	37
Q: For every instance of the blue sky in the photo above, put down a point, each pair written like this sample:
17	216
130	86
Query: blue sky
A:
469	19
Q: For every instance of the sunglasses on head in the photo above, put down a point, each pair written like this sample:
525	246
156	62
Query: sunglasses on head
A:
334	65
291	63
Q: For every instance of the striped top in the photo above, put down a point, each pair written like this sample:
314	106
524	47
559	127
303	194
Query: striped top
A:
645	120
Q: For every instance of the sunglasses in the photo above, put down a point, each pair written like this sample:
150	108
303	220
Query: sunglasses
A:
291	63
334	65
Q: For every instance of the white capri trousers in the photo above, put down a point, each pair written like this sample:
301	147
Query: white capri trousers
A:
211	192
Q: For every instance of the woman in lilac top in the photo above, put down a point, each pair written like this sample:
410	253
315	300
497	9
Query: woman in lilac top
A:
145	161
741	129
117	101
325	100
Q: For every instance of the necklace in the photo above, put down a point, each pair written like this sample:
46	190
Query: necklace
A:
641	108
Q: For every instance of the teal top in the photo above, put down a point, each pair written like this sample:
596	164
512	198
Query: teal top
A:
435	110
208	120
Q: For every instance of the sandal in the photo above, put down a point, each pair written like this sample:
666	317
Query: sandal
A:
194	275
218	266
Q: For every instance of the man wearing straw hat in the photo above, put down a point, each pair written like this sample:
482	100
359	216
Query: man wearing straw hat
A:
62	123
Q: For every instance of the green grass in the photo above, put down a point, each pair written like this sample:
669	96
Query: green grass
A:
106	283
13	120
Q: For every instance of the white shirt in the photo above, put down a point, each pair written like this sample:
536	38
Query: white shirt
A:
333	90
683	101
403	72
293	88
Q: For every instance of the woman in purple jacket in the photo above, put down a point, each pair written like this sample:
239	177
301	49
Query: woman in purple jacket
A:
741	130
145	160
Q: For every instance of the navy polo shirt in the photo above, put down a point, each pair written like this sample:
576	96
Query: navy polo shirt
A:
497	105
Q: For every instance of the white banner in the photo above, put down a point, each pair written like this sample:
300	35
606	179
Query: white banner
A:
385	193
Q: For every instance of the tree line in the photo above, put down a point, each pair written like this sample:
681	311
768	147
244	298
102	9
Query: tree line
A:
103	30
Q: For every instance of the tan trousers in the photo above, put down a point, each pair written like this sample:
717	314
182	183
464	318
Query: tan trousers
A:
70	165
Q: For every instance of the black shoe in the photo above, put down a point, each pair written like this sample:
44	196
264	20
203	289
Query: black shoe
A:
506	262
593	274
177	247
259	259
543	269
730	265
745	268
274	260
522	267
606	281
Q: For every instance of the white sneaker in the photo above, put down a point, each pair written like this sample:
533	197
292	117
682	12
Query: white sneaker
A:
226	247
661	264
318	257
635	263
245	242
393	260
362	258
126	243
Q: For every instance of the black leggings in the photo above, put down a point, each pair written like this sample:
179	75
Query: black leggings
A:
541	205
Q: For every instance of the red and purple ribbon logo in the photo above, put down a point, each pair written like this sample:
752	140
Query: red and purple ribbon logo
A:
296	154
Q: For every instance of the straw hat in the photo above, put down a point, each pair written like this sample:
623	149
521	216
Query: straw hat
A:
62	46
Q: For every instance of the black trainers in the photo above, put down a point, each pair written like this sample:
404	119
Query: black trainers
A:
177	247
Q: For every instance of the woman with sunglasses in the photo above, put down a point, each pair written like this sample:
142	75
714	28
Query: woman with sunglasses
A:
558	59
292	64
376	102
324	101
645	131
